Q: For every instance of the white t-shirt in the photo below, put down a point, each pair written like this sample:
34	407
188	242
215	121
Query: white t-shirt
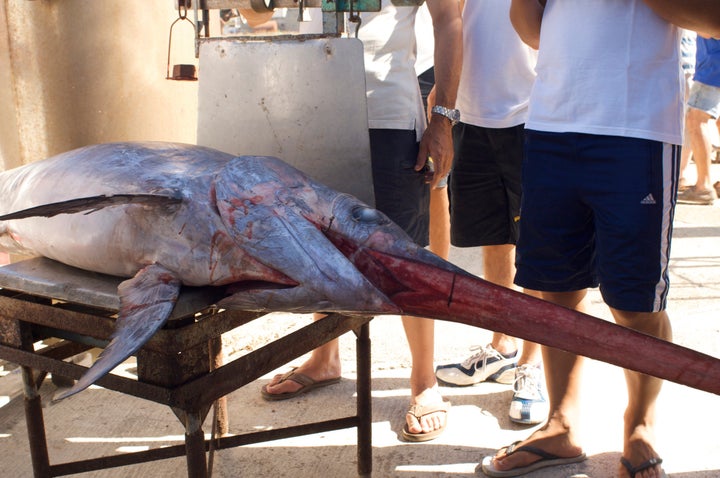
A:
393	94
498	68
425	39
608	67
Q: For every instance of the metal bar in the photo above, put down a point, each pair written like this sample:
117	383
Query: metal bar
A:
35	426
220	416
222	443
250	367
113	382
364	401
195	447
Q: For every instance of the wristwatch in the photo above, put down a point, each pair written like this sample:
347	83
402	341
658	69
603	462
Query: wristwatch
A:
452	114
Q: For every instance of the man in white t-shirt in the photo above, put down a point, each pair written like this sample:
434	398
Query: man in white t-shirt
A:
599	191
485	189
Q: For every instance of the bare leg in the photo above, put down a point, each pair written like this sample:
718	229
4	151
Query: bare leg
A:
499	268
531	351
423	384
323	364
686	146
563	376
700	126
440	222
643	391
420	333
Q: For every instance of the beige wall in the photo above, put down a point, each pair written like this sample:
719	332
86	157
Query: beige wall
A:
77	72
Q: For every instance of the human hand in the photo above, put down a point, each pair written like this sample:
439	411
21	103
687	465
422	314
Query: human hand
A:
436	151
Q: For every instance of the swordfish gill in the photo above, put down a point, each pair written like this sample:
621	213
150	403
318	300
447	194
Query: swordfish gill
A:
165	215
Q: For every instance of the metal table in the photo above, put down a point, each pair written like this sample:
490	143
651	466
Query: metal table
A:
181	366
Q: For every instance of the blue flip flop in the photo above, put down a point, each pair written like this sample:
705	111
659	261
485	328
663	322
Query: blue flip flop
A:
634	470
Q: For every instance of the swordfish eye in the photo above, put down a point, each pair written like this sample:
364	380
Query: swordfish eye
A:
368	215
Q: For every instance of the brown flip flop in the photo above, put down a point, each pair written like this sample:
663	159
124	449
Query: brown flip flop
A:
419	411
307	385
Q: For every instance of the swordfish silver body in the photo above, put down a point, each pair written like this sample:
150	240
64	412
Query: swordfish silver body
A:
167	215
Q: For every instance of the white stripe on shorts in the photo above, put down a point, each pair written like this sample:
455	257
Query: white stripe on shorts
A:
671	163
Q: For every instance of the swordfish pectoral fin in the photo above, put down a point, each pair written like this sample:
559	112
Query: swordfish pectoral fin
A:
92	204
146	302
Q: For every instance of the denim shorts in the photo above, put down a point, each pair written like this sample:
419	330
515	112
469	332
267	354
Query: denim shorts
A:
400	192
598	210
705	98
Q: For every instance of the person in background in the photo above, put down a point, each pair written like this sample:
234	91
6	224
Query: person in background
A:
599	187
401	145
485	189
687	52
703	110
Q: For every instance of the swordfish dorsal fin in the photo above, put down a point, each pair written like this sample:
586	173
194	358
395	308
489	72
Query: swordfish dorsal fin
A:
146	302
91	204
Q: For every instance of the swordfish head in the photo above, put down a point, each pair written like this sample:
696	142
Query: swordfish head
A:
315	235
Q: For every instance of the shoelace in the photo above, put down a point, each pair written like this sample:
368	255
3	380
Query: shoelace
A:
485	352
527	381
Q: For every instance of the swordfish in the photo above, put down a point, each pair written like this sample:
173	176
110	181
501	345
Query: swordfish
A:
167	215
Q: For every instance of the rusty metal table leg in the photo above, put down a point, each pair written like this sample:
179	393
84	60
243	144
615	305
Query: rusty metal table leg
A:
222	422
195	446
364	402
35	426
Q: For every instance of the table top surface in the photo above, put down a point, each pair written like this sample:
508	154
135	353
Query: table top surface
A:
46	278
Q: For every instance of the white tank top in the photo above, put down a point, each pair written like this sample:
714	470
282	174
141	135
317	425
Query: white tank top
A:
608	67
498	68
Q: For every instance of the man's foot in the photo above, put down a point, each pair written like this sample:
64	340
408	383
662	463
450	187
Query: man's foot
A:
683	184
639	458
487	364
697	196
300	380
529	405
427	417
541	450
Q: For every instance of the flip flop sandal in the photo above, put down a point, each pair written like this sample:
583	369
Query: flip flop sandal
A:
546	460
307	385
419	411
634	470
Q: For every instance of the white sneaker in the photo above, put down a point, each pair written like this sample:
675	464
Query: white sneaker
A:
487	364
529	404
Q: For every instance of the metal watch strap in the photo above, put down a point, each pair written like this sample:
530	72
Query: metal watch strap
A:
452	114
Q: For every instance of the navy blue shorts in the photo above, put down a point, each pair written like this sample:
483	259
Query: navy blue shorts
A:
598	210
400	191
485	185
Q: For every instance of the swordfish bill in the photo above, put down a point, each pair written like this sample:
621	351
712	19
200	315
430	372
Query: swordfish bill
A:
460	297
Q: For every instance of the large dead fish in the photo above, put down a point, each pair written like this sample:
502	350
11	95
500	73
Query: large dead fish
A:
168	215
